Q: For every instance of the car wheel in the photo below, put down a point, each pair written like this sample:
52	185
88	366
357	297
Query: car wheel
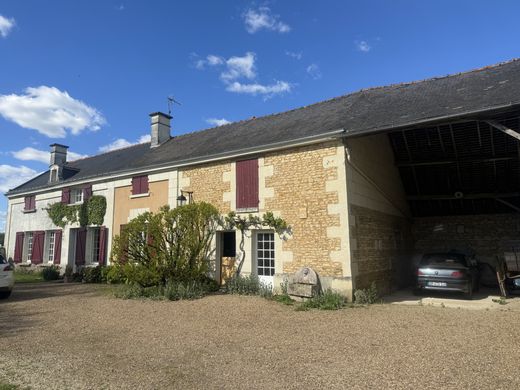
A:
5	294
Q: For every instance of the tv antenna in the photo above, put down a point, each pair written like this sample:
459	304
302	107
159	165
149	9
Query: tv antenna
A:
171	102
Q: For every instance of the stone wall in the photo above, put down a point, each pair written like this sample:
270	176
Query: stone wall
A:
488	236
380	221
382	251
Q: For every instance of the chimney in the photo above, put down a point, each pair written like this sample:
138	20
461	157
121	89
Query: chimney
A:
58	154
160	128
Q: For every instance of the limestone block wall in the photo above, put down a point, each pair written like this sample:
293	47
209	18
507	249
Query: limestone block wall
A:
487	235
379	218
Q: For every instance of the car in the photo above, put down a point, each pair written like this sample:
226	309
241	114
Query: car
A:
449	271
6	277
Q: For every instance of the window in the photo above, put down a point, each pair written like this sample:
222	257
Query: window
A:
29	245
265	254
247	185
76	195
50	246
140	185
54	175
30	203
95	245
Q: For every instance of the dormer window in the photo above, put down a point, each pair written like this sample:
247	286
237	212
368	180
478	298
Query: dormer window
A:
54	175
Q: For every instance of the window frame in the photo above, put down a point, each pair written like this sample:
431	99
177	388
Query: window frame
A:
76	193
29	241
271	241
32	204
51	245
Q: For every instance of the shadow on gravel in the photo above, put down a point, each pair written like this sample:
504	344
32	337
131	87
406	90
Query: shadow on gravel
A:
15	321
31	291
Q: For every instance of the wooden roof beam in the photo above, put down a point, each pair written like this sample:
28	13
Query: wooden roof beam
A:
504	129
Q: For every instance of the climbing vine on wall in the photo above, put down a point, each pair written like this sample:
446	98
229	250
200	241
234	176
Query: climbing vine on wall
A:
244	224
90	212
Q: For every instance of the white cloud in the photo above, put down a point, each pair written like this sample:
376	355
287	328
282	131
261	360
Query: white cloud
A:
262	18
259	89
123	143
6	25
295	55
238	67
3	216
217	122
32	154
363	46
11	176
50	112
314	71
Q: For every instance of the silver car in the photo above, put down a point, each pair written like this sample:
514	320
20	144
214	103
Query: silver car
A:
6	278
449	271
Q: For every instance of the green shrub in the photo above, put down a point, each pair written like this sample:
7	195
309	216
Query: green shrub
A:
51	273
366	296
173	291
328	300
142	275
284	299
92	274
114	274
129	291
243	285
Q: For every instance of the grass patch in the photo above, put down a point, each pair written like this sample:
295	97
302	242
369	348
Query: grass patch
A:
9	386
283	299
22	275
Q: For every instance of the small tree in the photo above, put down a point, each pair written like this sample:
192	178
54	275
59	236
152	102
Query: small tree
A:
170	244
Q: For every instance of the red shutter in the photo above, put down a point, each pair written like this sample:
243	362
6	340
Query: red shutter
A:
144	184
18	247
27	205
37	247
247	184
57	246
33	202
102	245
81	239
87	192
65	195
136	185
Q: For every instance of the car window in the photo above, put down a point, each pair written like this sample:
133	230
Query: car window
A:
444	259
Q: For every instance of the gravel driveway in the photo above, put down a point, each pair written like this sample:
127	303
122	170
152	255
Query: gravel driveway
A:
75	337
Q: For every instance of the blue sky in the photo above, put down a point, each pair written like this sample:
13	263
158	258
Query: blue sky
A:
88	73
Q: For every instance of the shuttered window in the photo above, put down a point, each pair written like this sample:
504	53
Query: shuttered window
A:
30	203
139	185
87	192
18	247
38	240
81	241
65	195
57	246
247	184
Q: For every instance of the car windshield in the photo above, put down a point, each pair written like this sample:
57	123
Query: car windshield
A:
443	259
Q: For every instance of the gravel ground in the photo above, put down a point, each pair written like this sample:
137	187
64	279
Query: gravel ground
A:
56	336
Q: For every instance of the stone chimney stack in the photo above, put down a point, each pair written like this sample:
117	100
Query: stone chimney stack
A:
58	154
160	128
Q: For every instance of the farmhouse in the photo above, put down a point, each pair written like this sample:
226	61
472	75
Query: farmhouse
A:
365	180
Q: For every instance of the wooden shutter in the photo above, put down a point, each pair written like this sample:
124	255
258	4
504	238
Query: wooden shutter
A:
144	184
65	195
136	185
33	202
57	246
37	247
87	192
27	205
81	239
18	247
102	245
247	184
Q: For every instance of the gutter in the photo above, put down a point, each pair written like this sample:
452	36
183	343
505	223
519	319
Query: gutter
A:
314	139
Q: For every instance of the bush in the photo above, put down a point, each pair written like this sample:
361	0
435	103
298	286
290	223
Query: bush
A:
366	296
92	274
328	300
114	274
51	273
142	275
243	285
173	291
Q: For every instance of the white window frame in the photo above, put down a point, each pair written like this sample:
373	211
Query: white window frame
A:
76	196
29	245
93	241
51	242
265	250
